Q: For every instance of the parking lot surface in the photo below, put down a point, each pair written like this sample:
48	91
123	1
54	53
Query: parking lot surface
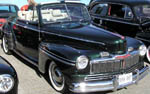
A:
31	82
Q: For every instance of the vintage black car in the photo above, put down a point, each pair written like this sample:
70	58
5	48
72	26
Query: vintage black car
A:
60	40
8	78
126	17
6	10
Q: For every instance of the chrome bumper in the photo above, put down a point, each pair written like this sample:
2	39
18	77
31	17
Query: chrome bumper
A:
113	84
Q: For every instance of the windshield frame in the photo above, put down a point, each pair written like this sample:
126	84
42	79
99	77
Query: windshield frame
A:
65	4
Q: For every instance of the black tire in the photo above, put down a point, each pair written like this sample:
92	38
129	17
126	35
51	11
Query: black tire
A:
148	54
5	45
56	77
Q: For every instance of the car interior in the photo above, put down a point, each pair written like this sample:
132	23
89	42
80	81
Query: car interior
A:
47	15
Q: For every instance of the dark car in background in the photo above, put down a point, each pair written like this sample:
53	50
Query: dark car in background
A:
6	10
126	17
60	40
8	78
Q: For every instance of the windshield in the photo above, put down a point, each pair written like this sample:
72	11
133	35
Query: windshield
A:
62	13
142	12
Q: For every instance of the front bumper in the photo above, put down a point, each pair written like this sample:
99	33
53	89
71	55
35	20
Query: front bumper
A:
113	84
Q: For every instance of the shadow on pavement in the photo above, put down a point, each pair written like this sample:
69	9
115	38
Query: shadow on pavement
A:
27	63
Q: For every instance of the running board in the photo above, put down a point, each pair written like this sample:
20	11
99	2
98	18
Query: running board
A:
25	58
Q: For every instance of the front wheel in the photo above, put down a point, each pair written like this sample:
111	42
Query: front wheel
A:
5	45
148	54
56	77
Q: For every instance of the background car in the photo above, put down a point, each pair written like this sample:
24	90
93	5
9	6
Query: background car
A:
126	17
60	40
8	78
6	10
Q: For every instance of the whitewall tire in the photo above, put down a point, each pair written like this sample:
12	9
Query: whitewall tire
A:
56	77
5	45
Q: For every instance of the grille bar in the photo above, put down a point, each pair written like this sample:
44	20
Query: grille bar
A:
114	65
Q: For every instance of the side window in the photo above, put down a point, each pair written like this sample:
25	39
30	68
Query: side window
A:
128	13
30	15
100	9
13	9
120	11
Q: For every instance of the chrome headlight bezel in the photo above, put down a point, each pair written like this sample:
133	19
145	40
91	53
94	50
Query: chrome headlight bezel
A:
82	62
6	83
142	50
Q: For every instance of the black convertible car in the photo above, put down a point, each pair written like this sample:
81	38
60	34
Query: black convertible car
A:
8	78
60	40
126	17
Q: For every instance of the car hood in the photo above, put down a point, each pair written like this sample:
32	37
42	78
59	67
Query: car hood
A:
93	36
93	33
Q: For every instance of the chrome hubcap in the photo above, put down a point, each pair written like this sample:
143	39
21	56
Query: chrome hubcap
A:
57	76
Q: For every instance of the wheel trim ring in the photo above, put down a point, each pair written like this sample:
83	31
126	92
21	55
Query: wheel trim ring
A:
4	45
53	83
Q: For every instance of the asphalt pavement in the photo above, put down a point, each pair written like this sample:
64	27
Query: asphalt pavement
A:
32	82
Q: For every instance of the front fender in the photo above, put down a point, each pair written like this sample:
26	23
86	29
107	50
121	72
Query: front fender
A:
64	55
54	52
131	42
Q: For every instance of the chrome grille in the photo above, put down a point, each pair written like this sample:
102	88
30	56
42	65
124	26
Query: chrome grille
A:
114	65
130	61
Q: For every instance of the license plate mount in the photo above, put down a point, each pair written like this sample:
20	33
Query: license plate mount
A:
125	78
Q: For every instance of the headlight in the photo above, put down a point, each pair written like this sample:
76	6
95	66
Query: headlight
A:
6	83
82	62
142	50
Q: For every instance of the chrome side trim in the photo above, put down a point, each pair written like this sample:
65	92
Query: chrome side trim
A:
112	19
95	86
49	54
28	27
75	38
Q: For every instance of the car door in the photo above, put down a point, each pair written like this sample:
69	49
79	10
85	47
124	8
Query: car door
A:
28	35
119	18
